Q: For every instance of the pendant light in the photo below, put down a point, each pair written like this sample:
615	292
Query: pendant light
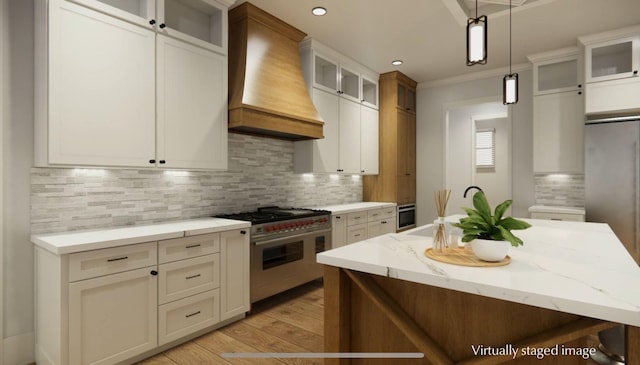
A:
510	81
477	39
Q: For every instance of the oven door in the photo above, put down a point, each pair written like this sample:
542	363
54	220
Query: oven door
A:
406	216
284	263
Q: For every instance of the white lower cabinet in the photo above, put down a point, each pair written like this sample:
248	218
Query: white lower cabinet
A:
234	273
360	225
112	305
112	317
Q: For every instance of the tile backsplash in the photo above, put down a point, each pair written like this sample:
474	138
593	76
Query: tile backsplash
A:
559	190
260	173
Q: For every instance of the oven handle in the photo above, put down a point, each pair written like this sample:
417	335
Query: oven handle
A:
260	243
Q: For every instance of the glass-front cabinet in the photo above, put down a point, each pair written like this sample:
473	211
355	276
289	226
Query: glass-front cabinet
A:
614	59
557	71
369	92
333	77
201	22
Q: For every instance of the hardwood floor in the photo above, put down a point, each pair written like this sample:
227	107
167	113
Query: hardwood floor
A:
289	322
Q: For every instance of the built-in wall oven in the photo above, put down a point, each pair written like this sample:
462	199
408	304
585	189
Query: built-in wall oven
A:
406	216
284	244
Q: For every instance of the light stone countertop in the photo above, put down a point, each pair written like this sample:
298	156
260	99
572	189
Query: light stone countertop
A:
355	207
79	241
555	209
573	267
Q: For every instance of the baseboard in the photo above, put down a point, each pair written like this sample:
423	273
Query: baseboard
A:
19	350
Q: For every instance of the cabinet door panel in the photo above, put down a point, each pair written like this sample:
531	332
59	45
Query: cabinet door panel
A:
181	279
234	274
325	151
113	318
101	89
338	230
558	124
349	141
369	147
192	106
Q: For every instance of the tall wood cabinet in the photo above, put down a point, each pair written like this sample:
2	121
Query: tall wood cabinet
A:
396	181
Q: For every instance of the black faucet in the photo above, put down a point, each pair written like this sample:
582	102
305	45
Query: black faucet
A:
469	188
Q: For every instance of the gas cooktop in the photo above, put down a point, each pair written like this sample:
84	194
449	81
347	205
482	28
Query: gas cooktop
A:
274	214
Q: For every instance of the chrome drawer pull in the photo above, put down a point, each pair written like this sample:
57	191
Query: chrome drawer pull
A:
192	314
193	246
118	259
192	277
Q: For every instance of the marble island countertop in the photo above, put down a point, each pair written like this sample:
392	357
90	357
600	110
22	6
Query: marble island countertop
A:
573	267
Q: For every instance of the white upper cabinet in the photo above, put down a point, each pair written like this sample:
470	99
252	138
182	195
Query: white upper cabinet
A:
346	97
201	22
557	71
191	107
558	111
614	59
131	83
612	67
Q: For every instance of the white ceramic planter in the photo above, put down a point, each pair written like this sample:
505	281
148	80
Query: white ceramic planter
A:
488	250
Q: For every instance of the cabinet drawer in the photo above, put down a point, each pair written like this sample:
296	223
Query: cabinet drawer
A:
188	315
356	218
188	247
188	277
381	214
90	264
356	233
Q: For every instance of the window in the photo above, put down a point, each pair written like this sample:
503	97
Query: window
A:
485	148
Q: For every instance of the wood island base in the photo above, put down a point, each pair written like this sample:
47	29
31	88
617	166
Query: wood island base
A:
371	313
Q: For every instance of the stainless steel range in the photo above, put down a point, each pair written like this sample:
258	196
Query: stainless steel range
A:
284	244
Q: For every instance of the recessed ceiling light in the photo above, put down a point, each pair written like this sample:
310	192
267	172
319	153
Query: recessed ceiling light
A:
319	11
397	62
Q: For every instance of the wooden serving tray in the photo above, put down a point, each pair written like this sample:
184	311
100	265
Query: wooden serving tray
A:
463	258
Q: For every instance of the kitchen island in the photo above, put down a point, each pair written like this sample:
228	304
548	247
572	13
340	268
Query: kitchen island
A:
569	280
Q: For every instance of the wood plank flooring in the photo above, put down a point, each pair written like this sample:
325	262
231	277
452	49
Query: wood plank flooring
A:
289	322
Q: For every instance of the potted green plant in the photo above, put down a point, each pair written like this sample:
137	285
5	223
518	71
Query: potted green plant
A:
490	235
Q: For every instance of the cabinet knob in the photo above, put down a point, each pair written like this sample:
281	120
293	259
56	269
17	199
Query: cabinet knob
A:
162	26
152	161
579	92
152	21
362	171
338	217
635	72
580	85
243	232
162	161
153	272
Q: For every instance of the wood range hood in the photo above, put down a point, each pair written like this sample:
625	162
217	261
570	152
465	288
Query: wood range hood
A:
267	92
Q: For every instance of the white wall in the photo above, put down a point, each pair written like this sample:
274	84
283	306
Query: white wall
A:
432	102
459	166
17	144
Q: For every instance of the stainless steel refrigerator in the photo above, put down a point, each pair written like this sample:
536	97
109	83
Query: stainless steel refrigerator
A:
612	195
612	178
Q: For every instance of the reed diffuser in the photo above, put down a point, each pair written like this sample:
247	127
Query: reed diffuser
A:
440	242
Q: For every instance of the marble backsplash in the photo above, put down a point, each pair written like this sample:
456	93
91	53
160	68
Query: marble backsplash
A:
260	173
559	190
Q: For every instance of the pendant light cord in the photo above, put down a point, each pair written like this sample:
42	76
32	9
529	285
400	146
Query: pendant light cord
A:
477	9
509	36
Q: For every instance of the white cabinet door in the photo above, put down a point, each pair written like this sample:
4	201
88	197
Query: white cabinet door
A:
614	59
234	273
192	106
101	89
113	318
349	139
338	230
325	151
558	124
369	141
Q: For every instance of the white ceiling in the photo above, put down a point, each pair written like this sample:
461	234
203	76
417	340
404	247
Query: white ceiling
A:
429	35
